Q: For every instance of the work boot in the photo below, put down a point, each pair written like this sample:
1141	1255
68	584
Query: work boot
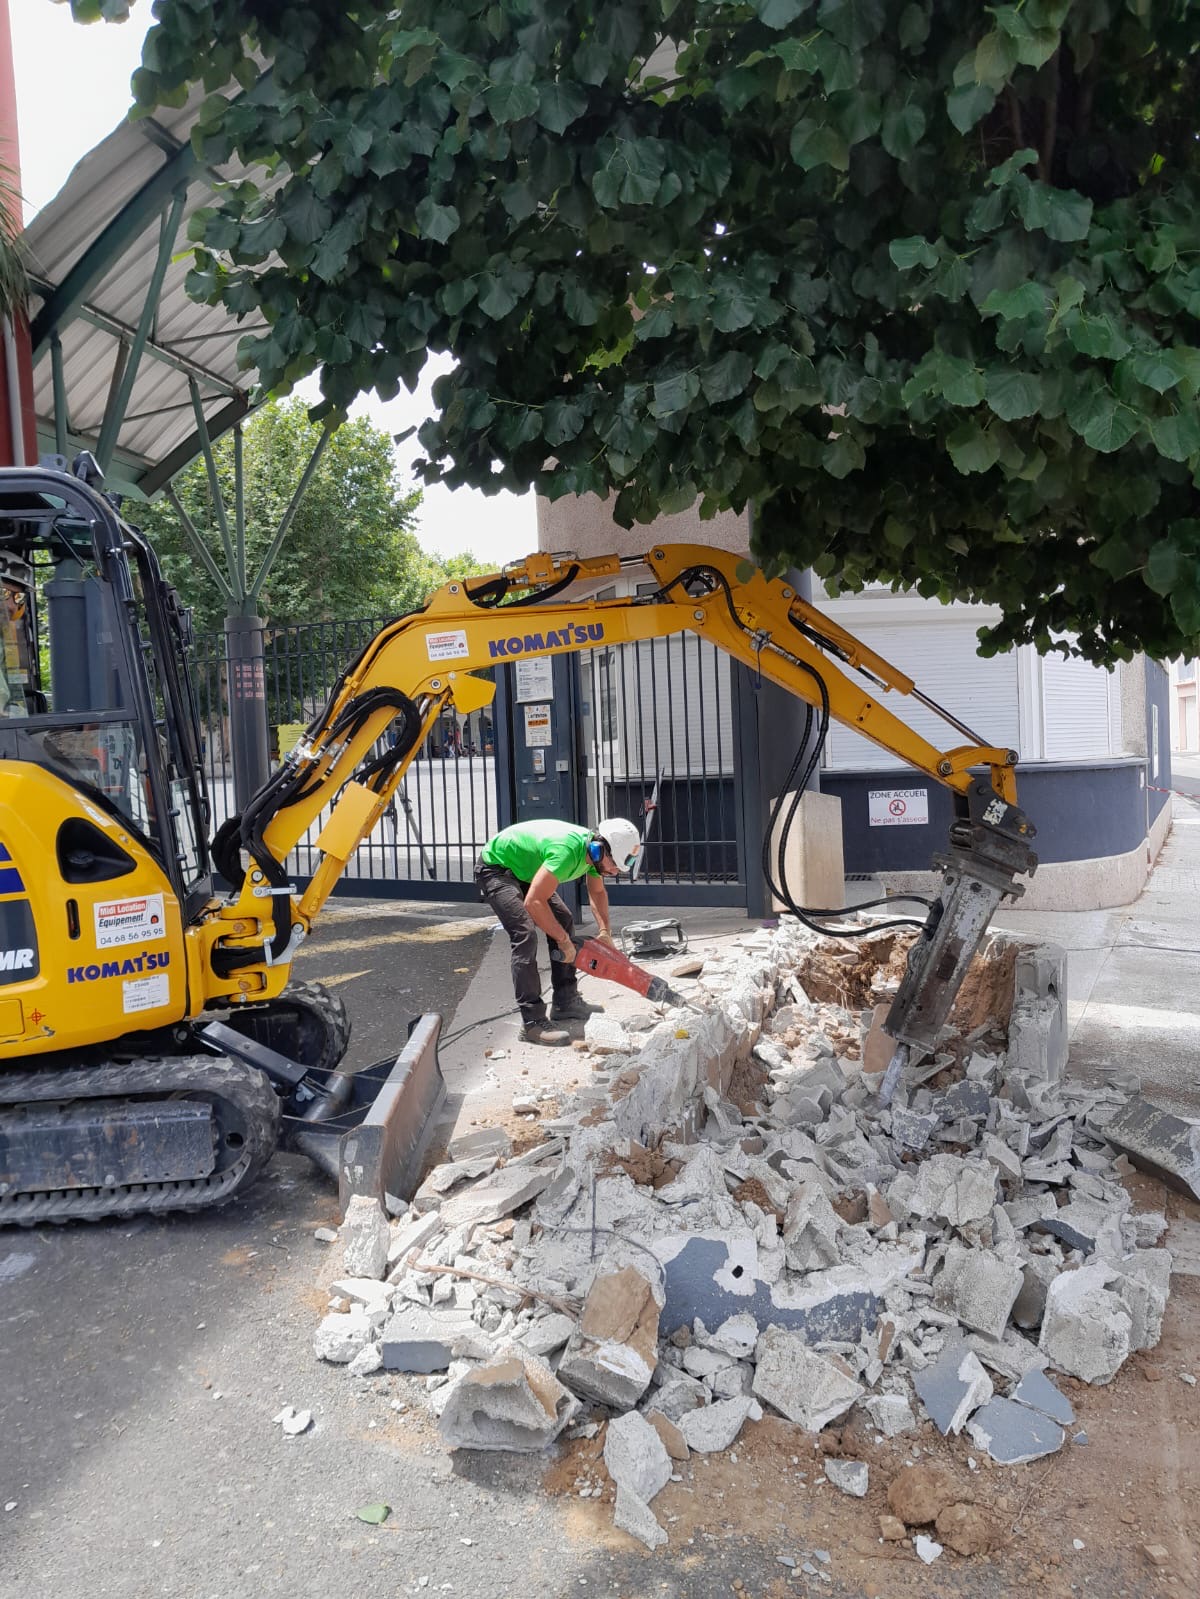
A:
575	1009
542	1033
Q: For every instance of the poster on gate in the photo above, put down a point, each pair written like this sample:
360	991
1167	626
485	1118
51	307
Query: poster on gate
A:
129	921
897	807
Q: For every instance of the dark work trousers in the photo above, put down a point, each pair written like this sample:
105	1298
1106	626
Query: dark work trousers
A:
505	893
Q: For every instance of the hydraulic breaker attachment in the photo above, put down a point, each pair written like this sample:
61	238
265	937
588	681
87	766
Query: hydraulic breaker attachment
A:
988	851
597	960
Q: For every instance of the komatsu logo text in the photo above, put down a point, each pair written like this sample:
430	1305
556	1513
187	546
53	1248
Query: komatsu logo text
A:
529	643
129	967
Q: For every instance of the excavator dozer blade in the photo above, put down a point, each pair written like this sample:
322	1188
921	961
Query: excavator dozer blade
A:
376	1145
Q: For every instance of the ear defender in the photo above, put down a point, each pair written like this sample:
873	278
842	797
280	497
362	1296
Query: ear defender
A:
595	852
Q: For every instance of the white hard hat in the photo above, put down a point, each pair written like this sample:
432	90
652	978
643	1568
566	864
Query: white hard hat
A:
623	840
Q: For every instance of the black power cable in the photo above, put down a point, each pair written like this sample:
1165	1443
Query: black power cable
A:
808	915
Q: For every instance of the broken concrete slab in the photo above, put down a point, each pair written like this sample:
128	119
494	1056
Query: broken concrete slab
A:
713	1428
604	1035
499	1195
1014	1434
411	1233
803	1386
1089	1225
1037	1392
1166	1146
1086	1329
614	1350
635	1456
514	1402
364	1234
947	1188
673	1440
985	1292
1011	1356
632	1515
546	1334
677	1394
736	1336
480	1141
810	1229
851	1476
421	1340
1143	1286
953	1387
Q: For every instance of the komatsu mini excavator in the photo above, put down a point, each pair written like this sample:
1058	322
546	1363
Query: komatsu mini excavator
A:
152	1050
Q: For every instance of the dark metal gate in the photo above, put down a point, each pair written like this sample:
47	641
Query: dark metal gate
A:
654	740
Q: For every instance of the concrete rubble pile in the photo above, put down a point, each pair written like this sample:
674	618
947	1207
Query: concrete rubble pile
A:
727	1223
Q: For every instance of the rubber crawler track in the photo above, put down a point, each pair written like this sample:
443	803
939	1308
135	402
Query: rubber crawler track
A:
212	1077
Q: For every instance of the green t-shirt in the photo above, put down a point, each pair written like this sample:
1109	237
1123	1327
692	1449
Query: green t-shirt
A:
559	846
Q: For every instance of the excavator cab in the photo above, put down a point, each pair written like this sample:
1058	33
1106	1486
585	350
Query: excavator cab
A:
95	688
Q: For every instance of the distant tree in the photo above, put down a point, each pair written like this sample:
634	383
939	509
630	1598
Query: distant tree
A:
352	549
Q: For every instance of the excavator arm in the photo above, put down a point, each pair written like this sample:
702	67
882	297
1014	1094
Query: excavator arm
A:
425	662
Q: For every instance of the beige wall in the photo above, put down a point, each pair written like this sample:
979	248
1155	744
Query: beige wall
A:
583	524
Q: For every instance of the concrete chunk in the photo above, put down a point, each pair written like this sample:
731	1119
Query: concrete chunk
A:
891	1414
614	1350
803	1386
546	1334
515	1402
678	1394
338	1338
1085	1329
480	1141
1166	1146
636	1457
953	1387
714	1427
851	1476
634	1516
1013	1434
1143	1286
673	1440
499	1195
421	1340
984	1294
364	1235
954	1190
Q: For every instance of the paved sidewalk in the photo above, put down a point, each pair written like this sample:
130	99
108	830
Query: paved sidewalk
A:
1133	973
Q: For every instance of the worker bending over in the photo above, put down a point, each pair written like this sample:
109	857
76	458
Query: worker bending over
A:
518	873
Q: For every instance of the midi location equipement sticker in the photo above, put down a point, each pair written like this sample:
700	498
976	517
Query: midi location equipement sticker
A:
129	921
448	646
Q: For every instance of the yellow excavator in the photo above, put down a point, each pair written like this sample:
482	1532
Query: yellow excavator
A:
153	1052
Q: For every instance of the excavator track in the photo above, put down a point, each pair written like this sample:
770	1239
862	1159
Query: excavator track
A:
306	1023
245	1122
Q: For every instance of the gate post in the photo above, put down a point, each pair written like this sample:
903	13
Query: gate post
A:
249	736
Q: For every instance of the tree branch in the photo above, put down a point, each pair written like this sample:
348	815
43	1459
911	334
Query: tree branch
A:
1050	126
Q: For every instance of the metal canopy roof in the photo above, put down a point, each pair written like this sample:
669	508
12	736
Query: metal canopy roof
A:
123	360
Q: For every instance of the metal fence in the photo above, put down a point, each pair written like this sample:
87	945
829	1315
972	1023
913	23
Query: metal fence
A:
655	742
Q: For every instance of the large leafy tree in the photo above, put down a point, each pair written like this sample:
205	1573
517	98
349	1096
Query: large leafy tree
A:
916	280
352	548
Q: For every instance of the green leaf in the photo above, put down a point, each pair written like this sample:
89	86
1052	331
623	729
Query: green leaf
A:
560	104
436	222
857	115
856	23
561	422
971	449
914	27
968	104
674	394
1062	214
1177	435
304	215
1029	299
779	13
816	144
511	102
733	307
1095	335
960	381
1007	170
995	58
1103	422
726	377
1011	393
912	252
842	455
1155	369
580	306
496	296
1166	566
373	1515
903	129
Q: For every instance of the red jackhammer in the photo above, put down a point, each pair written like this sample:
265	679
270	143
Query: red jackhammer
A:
598	960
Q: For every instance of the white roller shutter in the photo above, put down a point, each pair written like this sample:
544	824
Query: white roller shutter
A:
1075	716
940	655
